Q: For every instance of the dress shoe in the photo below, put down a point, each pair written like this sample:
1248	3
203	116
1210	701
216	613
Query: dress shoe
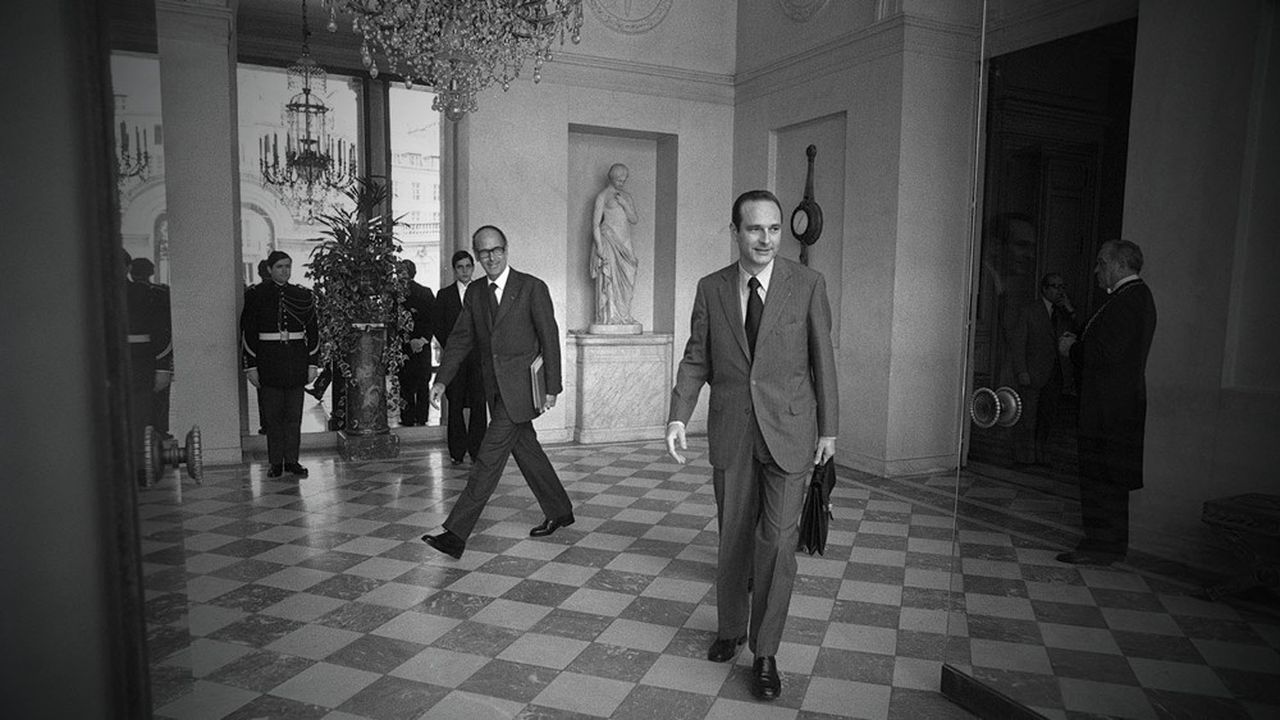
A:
296	469
725	649
549	526
447	543
1077	557
455	461
766	684
275	471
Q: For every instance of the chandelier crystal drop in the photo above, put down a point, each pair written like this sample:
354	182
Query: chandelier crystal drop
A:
312	164
459	47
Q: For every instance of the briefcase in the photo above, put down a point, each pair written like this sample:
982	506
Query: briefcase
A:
815	515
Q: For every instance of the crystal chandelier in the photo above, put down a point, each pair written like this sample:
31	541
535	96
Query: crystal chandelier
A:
313	163
459	47
133	163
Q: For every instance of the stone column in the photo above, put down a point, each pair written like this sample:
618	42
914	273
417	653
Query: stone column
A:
197	48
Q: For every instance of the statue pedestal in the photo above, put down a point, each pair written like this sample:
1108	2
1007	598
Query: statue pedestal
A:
366	435
623	385
615	329
368	447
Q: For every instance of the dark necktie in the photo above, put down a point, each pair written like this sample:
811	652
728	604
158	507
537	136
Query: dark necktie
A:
755	308
493	300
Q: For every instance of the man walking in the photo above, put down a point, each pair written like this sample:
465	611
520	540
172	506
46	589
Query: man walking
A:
510	322
763	324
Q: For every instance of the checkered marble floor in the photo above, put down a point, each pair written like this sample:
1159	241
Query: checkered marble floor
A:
315	598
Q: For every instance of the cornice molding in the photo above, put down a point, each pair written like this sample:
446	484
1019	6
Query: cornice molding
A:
196	20
1026	24
593	71
897	35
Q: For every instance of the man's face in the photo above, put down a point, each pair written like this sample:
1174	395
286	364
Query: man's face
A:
758	234
491	252
1052	289
1106	270
462	270
281	271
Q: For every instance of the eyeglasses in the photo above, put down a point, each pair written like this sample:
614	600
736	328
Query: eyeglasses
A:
484	254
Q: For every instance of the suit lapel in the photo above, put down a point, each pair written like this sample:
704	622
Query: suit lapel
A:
731	305
510	294
780	287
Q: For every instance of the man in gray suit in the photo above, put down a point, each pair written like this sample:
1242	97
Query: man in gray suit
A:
761	337
509	319
1033	343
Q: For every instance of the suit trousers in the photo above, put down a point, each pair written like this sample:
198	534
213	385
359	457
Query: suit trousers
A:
502	439
464	393
415	388
1039	410
280	409
758	510
1104	498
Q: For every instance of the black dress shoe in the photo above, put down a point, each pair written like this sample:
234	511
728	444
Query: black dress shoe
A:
275	471
766	684
725	649
455	461
549	526
296	469
447	543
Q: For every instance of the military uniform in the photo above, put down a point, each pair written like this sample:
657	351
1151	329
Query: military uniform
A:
160	400
280	338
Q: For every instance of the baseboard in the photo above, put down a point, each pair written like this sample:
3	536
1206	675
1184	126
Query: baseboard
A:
981	699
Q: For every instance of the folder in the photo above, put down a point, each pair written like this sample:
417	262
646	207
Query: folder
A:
538	383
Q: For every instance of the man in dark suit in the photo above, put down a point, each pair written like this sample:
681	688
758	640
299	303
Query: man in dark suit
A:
509	320
1111	354
1033	341
281	350
415	374
466	391
761	337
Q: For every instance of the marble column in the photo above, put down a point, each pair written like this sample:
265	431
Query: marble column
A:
623	386
197	48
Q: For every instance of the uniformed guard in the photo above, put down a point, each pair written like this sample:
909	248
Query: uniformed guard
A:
281	349
140	271
150	354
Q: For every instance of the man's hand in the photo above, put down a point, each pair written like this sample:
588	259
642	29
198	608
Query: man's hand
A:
416	344
436	391
548	403
163	378
826	450
252	375
675	434
1064	344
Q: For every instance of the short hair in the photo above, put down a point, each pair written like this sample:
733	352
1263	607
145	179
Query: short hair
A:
1125	252
752	196
1044	279
492	228
128	259
459	256
141	268
410	268
615	166
276	256
264	270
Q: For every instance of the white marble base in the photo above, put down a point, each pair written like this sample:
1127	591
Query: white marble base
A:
615	329
623	386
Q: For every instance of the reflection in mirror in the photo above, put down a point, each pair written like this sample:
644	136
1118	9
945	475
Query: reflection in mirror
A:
1089	577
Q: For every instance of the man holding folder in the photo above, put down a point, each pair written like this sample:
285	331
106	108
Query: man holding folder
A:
510	320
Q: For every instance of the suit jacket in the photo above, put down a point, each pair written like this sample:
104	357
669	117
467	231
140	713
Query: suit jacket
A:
524	327
448	308
791	384
420	302
1112	356
1033	340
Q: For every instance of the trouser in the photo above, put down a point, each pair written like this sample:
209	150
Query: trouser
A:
1039	409
465	393
281	411
758	509
503	439
1106	477
415	389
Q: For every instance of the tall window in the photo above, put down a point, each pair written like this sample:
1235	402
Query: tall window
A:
415	165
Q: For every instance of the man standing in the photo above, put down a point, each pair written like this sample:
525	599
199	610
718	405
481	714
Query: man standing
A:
150	354
466	390
415	374
1034	344
281	351
140	271
761	337
510	321
1112	356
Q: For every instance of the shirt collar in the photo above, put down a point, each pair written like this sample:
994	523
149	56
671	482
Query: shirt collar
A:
502	279
1122	282
763	276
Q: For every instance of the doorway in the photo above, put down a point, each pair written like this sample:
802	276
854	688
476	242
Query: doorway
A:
1057	141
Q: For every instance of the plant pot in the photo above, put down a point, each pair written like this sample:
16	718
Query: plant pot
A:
366	434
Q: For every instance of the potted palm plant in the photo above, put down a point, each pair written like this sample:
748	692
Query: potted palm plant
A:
359	283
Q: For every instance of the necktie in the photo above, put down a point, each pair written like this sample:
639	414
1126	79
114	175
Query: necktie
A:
755	308
493	300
